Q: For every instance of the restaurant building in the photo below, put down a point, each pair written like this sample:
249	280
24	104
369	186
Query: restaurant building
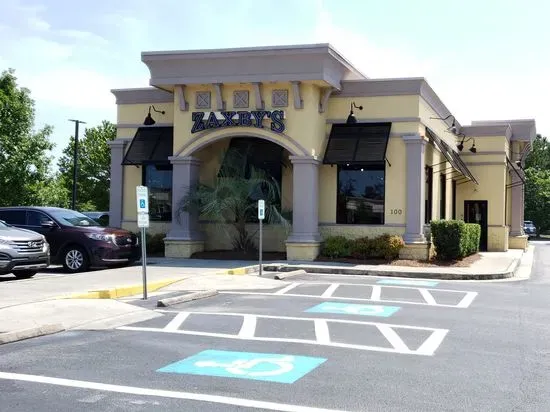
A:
354	156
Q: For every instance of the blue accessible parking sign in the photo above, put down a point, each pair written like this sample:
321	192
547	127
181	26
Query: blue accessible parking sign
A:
246	365
353	309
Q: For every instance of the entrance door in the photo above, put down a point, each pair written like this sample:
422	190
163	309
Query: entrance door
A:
475	211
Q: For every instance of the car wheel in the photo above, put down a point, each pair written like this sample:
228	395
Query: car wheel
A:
75	259
24	274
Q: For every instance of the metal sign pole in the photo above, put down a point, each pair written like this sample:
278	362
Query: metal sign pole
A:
261	236
142	197
144	261
261	216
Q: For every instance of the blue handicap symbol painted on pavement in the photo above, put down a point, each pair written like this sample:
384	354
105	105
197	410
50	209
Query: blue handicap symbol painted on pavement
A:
354	309
142	203
407	282
246	365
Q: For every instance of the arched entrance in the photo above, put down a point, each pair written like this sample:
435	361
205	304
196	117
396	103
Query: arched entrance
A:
200	160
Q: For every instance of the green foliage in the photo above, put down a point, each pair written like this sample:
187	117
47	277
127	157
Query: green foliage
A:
385	246
336	247
24	160
381	247
454	239
537	184
94	167
232	200
154	243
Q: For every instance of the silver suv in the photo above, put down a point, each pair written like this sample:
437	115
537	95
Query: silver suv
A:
22	252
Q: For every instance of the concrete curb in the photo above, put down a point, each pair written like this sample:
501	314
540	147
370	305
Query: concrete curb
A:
508	273
28	333
244	270
186	298
122	291
281	276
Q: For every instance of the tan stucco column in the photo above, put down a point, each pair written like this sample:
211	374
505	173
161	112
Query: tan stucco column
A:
416	246
118	147
518	204
184	237
304	241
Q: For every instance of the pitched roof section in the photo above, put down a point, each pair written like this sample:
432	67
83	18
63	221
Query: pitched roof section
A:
310	62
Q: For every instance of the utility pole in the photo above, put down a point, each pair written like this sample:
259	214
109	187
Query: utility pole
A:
75	159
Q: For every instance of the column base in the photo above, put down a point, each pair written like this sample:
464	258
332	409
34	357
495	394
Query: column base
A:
416	251
518	242
307	251
414	238
180	248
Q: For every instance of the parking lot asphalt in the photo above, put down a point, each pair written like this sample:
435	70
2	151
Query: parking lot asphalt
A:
314	343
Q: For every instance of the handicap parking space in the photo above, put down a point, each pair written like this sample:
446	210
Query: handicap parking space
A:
293	347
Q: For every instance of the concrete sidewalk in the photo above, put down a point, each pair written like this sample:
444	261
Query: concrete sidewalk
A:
492	265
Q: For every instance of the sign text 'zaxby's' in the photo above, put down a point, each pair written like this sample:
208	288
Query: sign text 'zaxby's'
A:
254	118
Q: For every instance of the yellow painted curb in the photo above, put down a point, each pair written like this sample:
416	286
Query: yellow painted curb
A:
245	270
122	291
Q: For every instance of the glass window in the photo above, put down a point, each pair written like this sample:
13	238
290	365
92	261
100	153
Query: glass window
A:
361	194
158	179
35	218
69	217
13	217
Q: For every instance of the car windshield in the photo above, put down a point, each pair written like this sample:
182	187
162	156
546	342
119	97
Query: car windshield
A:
72	218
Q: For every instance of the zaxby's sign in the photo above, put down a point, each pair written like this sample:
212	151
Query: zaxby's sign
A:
254	118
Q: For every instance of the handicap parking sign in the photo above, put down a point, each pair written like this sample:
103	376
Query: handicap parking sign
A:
246	365
353	309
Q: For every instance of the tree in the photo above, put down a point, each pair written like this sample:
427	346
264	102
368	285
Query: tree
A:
232	199
539	158
24	159
537	184
94	167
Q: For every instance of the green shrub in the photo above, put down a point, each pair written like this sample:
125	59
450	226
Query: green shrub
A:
154	243
454	239
336	247
381	247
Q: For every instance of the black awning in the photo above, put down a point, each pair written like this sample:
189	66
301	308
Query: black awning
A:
150	145
363	143
452	157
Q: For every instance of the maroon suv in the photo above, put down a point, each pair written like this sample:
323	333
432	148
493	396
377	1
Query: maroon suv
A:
76	241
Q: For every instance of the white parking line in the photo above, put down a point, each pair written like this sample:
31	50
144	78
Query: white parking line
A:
322	333
133	390
466	301
177	321
330	290
376	293
287	288
427	296
248	327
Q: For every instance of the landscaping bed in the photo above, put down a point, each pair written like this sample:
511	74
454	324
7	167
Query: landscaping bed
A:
238	255
465	262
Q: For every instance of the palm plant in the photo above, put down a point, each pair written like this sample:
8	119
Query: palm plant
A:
232	199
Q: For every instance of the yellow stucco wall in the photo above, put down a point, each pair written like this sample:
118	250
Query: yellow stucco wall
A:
136	113
132	178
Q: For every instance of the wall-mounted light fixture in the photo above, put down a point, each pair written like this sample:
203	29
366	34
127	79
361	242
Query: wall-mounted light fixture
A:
351	117
149	120
460	146
453	128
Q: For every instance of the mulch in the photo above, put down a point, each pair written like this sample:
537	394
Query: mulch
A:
253	256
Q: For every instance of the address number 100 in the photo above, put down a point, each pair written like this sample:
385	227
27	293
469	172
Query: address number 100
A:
396	211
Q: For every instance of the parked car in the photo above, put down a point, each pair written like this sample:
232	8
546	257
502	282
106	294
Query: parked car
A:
22	252
100	217
76	241
529	228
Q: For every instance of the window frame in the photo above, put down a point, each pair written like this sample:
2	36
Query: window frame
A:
170	167
379	167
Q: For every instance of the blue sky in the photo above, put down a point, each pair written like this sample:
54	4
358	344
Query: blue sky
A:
486	59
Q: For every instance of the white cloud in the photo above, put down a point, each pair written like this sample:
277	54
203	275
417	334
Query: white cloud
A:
85	36
371	60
